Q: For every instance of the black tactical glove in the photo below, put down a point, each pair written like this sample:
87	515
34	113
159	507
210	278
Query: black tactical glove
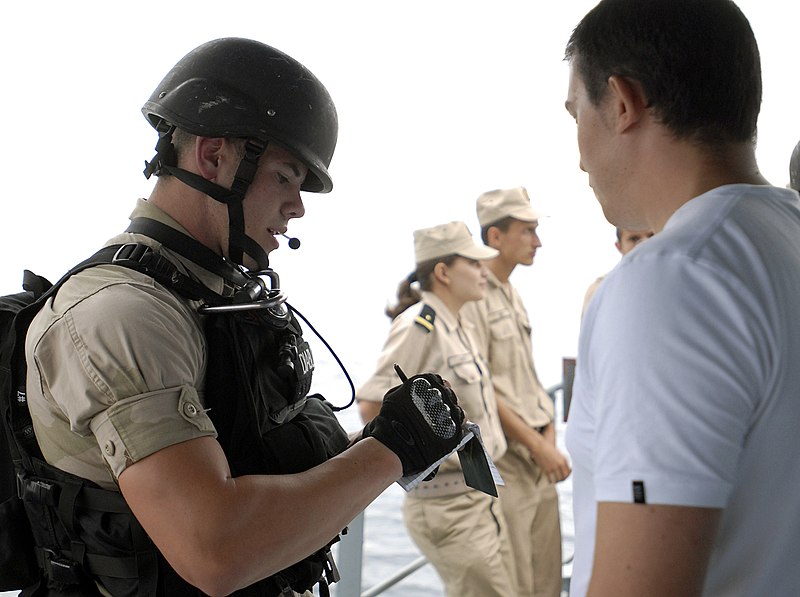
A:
420	421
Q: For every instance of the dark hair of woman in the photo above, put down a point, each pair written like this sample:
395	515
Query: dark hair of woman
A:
407	293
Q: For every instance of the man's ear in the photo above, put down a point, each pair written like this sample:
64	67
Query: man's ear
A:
628	101
493	234
208	152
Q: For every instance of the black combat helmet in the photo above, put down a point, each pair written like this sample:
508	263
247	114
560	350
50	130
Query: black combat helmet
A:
234	87
794	168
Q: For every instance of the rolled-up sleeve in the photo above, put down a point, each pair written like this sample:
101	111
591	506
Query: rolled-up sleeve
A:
138	426
126	364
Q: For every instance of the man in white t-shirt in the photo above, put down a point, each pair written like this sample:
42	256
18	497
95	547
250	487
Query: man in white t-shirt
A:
682	428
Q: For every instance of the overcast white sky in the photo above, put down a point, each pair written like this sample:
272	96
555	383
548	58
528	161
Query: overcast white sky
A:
437	102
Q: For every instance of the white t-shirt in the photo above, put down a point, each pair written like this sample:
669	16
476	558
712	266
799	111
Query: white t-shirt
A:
687	387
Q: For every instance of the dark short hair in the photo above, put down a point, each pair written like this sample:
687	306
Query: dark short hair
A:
794	168
183	141
424	271
697	61
503	225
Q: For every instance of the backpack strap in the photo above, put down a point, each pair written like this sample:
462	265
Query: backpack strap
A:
188	247
144	259
37	285
16	414
45	490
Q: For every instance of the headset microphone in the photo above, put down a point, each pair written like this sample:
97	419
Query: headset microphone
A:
294	243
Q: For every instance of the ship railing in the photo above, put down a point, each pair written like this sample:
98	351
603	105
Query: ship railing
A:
351	548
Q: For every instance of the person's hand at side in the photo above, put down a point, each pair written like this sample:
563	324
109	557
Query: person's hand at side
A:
553	463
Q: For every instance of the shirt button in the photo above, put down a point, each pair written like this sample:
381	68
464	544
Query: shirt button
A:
190	410
110	448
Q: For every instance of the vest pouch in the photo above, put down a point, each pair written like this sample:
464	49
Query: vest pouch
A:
315	434
18	568
265	422
84	532
319	412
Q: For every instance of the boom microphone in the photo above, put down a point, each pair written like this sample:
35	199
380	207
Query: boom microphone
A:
294	243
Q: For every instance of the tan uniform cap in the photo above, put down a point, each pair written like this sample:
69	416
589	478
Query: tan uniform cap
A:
493	206
448	239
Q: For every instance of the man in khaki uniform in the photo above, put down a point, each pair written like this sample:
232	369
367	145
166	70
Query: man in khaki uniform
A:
122	412
459	529
532	464
117	361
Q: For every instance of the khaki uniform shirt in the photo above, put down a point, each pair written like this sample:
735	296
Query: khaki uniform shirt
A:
590	293
116	366
503	333
427	337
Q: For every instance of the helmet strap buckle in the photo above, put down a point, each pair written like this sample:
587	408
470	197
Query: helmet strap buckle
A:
238	242
246	172
165	151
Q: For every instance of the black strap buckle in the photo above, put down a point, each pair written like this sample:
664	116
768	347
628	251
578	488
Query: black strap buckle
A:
253	149
37	491
165	151
61	570
131	253
144	259
331	570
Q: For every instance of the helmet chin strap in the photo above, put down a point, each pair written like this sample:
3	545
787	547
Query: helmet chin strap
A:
239	244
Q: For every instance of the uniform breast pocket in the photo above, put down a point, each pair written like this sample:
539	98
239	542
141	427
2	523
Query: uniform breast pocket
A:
465	368
501	324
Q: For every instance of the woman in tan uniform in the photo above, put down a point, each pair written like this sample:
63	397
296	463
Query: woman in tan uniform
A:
460	530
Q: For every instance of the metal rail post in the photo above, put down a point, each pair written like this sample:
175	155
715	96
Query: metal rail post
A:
349	559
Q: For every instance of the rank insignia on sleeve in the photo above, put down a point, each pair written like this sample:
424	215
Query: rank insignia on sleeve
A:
426	318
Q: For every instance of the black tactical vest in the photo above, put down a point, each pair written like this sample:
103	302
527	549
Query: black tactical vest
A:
258	376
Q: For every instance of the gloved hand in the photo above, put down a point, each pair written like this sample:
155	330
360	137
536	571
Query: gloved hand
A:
420	421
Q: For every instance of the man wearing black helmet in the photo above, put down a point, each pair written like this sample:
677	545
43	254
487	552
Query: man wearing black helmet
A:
179	378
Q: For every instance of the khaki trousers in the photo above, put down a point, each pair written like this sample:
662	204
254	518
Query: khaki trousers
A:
530	504
466	539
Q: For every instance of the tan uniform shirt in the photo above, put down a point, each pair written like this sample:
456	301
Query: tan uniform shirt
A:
116	366
428	337
590	293
503	333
